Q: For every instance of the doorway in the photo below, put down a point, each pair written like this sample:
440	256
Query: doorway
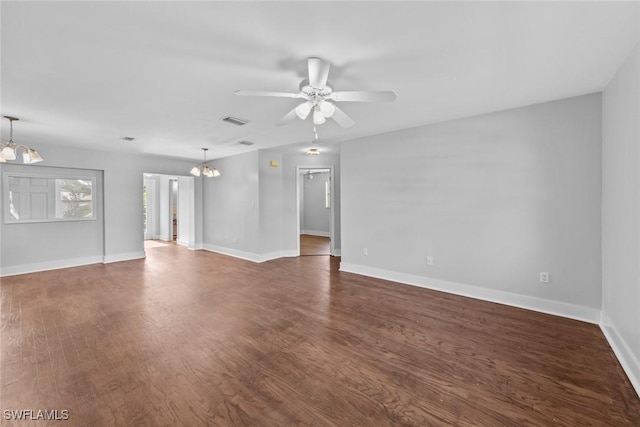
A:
169	209
315	210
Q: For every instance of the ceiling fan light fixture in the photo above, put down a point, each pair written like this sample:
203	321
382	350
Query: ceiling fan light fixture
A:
316	91
327	108
318	117
303	110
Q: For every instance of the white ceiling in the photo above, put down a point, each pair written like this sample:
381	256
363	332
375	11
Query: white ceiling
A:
89	73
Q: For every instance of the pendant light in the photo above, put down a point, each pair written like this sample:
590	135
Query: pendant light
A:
204	167
9	150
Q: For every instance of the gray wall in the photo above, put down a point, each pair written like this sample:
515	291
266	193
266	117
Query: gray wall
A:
250	211
495	199
46	243
231	206
270	203
621	215
123	215
316	217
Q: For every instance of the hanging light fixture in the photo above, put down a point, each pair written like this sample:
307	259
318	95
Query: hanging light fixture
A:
204	167
303	110
327	108
9	150
318	116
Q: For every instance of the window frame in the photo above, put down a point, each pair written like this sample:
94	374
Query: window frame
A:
6	177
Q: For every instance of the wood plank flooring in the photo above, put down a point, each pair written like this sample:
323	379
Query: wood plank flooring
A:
314	245
192	338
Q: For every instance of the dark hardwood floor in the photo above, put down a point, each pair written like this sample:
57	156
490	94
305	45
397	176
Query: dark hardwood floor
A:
192	338
314	245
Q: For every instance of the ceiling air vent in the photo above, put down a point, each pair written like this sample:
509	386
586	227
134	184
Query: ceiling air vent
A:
128	138
245	143
235	120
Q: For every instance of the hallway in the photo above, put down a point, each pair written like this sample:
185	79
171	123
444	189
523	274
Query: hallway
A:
314	245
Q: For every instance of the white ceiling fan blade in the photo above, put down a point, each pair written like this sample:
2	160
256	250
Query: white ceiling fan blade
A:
287	117
268	93
318	73
342	119
364	96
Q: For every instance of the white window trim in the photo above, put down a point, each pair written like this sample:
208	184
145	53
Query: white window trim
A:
6	191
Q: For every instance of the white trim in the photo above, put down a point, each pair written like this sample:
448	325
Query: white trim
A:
316	233
621	349
332	207
125	256
236	253
49	265
277	254
571	311
249	256
337	252
182	242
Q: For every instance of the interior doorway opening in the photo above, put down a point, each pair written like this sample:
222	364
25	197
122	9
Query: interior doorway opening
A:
168	209
315	210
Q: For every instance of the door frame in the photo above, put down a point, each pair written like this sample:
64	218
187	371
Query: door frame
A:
332	183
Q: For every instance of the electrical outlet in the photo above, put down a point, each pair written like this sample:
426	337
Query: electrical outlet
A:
365	251
544	277
429	260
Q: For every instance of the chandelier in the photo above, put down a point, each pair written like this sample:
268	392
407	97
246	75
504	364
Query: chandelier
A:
204	168
9	150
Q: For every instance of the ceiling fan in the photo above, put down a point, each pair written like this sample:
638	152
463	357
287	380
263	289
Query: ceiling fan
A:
318	97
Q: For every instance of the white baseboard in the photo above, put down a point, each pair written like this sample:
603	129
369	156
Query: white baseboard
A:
183	242
585	314
126	256
278	254
249	256
48	265
236	253
316	233
625	356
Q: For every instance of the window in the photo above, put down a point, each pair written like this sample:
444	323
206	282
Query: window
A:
43	199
